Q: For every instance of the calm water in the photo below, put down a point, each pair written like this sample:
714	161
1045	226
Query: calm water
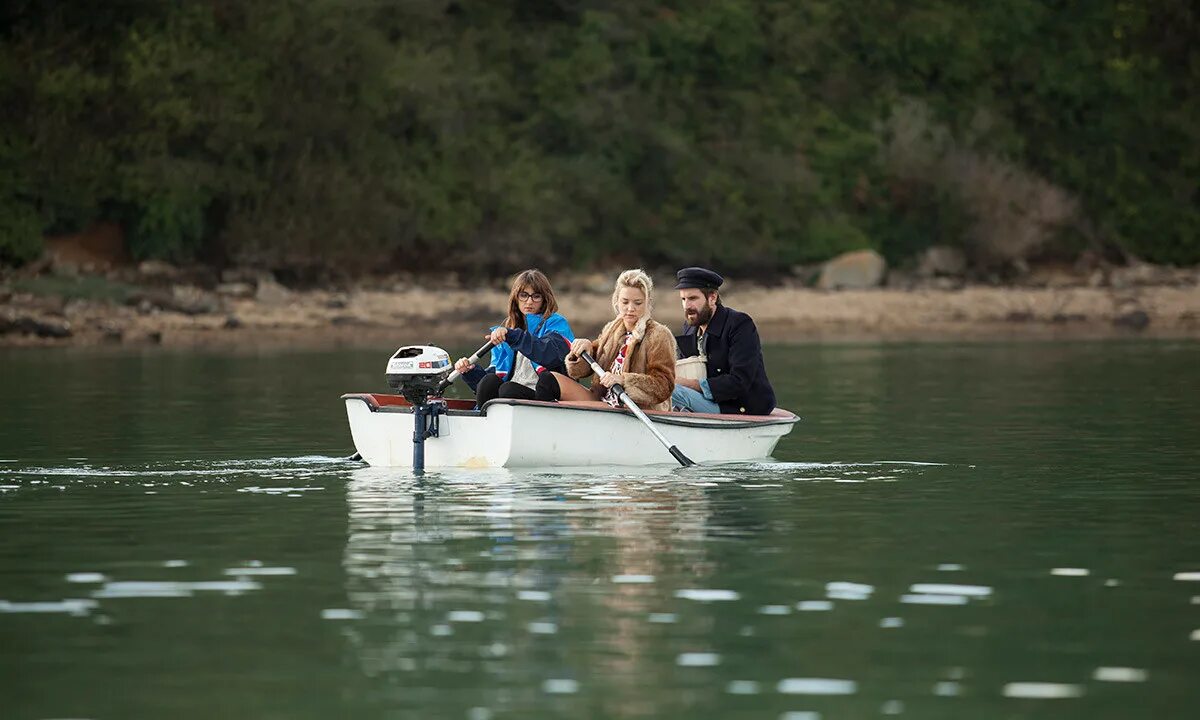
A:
984	531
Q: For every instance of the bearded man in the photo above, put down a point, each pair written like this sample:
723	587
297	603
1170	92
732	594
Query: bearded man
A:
736	381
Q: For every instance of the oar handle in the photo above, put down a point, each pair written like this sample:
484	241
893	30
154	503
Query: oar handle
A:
470	361
684	460
600	372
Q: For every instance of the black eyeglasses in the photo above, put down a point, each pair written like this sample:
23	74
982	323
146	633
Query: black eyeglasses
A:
536	297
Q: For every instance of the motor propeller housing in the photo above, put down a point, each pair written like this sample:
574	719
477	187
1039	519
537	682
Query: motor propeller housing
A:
417	371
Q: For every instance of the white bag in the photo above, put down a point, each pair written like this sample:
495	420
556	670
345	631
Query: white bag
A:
692	368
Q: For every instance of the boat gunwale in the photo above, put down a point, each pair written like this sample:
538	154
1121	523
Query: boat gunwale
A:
691	420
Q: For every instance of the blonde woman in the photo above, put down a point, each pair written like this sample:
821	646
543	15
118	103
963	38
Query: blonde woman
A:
638	352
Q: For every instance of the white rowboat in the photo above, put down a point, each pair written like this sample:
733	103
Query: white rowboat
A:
527	433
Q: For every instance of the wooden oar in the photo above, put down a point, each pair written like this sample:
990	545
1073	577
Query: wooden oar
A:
470	361
629	403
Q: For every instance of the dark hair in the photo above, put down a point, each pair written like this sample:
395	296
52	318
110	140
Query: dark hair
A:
537	281
709	292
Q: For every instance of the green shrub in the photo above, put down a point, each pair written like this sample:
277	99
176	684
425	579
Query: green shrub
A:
20	224
830	236
20	232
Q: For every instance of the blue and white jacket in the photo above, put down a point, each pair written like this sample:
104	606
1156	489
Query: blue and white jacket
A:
546	346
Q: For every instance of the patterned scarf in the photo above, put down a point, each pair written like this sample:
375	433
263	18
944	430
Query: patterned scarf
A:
618	364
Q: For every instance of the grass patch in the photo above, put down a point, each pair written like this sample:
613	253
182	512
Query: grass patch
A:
83	287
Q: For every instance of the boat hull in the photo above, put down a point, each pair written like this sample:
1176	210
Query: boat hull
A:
526	433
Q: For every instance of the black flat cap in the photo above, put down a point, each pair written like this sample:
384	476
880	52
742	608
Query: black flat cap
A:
698	277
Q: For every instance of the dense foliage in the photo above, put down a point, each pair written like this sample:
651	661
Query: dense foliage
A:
483	134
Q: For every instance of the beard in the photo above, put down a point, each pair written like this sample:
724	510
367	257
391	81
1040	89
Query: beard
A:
700	317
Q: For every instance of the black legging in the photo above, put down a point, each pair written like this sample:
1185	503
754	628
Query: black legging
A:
492	387
547	389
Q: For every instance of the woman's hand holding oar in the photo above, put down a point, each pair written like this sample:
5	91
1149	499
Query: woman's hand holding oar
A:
629	403
470	361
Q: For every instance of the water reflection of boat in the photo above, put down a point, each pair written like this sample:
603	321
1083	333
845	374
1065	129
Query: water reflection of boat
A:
554	434
496	582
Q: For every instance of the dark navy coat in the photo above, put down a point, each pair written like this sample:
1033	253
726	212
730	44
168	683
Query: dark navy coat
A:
548	352
737	376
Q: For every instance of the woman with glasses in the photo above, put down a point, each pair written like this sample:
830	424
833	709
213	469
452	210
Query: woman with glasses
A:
533	339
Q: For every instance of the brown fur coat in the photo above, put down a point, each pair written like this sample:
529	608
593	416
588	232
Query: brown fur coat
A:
649	375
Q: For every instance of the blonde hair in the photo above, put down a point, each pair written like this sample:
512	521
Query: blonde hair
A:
639	280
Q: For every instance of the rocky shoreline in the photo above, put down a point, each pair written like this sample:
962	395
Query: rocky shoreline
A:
161	305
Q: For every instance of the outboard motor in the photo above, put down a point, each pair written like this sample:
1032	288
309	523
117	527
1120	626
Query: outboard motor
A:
419	373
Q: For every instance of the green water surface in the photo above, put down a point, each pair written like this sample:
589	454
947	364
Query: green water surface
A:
958	531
